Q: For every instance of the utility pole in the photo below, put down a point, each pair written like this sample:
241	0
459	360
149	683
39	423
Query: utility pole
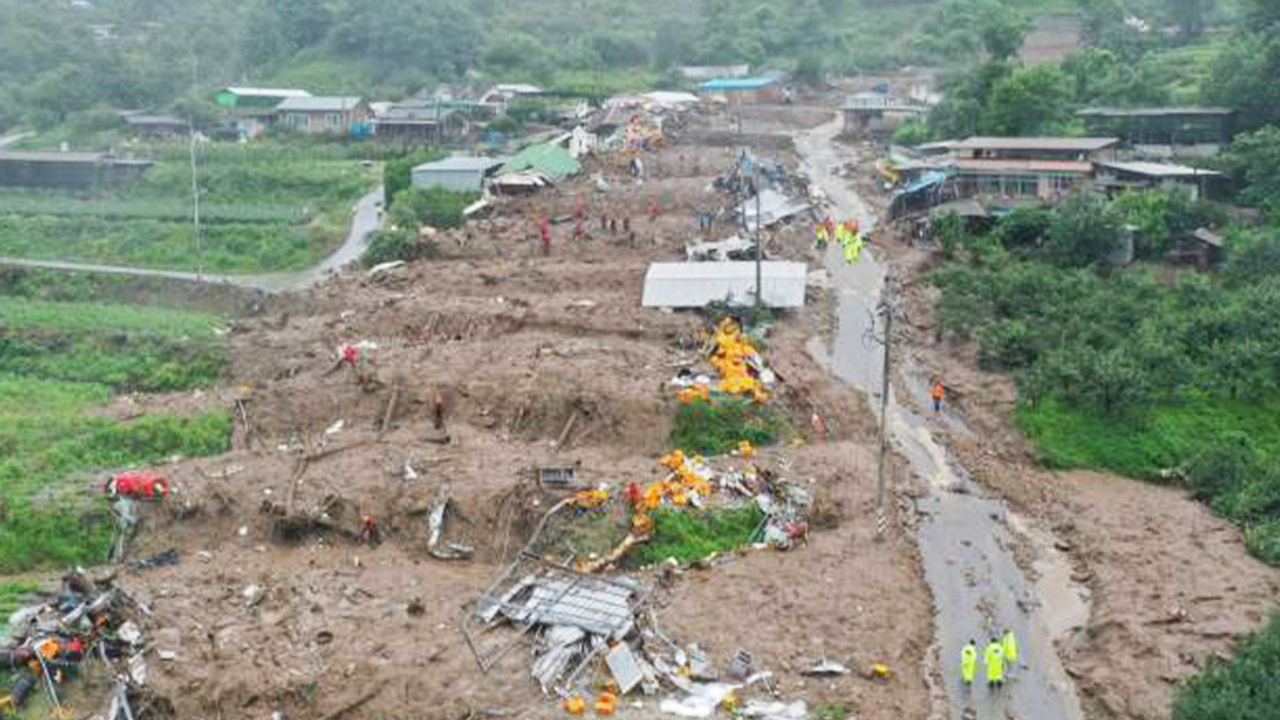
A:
759	248
195	204
887	309
195	181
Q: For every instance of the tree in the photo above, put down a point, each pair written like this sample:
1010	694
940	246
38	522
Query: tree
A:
1189	15
1253	256
1112	382
306	22
1022	229
964	99
1254	160
1262	14
1243	76
1003	31
1030	102
1162	215
1083	231
911	132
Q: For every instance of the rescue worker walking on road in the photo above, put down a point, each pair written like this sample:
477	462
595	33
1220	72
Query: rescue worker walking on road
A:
969	663
821	237
993	658
1010	644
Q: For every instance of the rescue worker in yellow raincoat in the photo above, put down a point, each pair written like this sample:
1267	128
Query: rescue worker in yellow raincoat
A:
821	236
1010	644
969	663
993	658
853	249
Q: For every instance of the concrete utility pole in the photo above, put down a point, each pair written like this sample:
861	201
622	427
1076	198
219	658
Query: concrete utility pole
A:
195	205
887	310
759	248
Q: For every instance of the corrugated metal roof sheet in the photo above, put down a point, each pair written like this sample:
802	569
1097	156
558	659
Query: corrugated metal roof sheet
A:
1162	170
1034	143
751	83
461	164
695	285
1154	111
547	159
52	156
319	104
267	92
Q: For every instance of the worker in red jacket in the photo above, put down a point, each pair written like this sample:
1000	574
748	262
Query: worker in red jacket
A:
138	485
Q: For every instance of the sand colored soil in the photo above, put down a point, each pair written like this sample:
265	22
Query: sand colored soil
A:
537	362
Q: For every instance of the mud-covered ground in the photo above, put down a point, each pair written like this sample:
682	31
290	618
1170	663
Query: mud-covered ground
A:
1171	586
537	361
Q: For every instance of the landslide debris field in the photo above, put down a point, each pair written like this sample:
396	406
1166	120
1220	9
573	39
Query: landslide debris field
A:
274	604
494	363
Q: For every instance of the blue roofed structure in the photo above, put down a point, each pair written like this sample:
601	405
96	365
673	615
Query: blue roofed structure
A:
757	89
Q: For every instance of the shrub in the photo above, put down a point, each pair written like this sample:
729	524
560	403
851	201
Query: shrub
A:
689	535
391	245
1243	688
701	427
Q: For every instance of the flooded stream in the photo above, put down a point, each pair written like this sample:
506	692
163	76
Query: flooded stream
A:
966	538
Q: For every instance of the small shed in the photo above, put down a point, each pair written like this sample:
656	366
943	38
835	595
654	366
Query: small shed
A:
459	174
1202	248
156	126
697	284
73	171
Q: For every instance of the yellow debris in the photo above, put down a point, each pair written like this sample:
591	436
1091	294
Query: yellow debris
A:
575	705
591	499
606	704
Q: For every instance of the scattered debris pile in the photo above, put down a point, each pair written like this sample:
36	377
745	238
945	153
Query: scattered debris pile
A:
89	629
592	632
738	364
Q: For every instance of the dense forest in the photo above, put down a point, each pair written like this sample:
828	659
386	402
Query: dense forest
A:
57	59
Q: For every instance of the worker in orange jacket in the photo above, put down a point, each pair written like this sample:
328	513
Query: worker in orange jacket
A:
138	485
939	392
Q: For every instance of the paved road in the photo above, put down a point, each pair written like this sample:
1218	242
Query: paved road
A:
965	537
8	140
363	223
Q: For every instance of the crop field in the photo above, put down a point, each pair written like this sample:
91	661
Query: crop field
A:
61	360
264	209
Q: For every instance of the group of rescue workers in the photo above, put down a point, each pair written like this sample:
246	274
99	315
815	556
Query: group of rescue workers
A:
1000	655
846	234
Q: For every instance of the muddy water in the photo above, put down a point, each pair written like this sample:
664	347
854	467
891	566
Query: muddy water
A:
965	538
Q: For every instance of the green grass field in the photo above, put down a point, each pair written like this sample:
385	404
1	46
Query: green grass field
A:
60	361
1141	446
266	209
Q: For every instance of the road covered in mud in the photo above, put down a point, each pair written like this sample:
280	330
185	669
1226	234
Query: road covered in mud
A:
966	539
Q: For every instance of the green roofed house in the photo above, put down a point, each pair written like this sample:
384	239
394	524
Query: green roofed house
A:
551	161
254	108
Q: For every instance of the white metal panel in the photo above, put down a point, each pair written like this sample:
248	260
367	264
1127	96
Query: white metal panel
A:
695	285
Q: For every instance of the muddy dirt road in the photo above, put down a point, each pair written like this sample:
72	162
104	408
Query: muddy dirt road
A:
966	540
364	221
